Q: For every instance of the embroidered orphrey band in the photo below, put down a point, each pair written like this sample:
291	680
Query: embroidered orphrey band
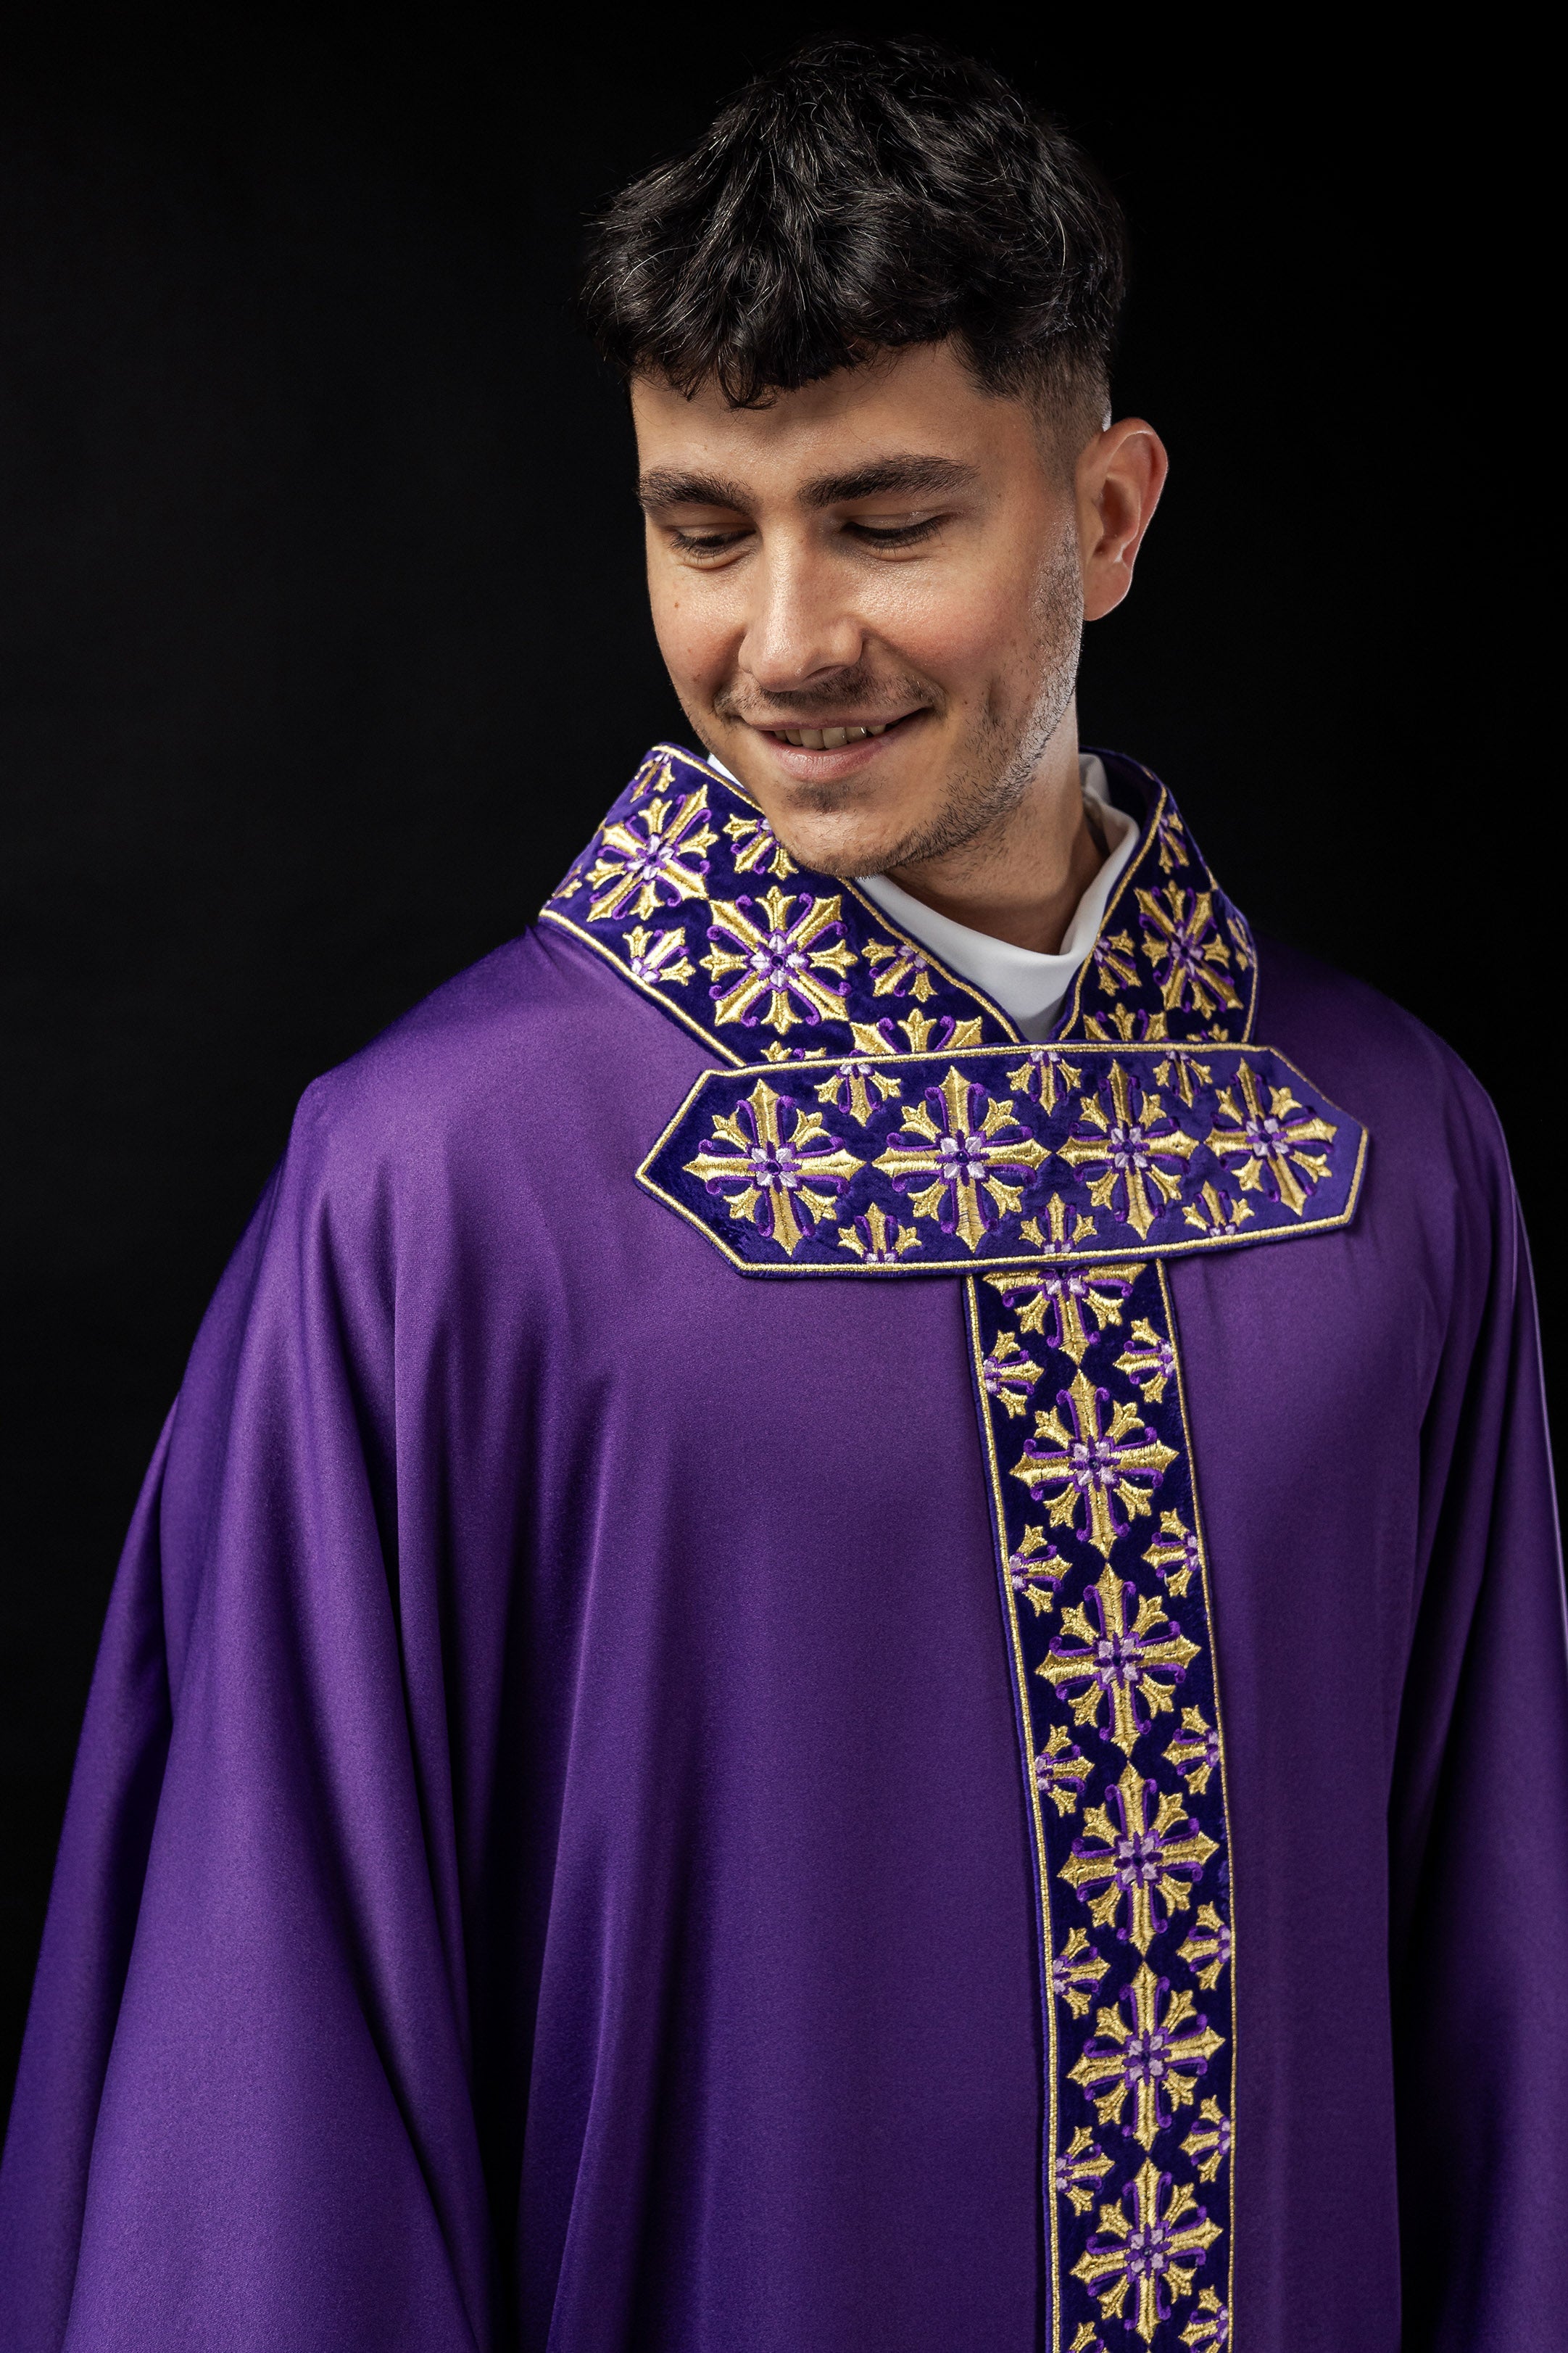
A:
1105	1593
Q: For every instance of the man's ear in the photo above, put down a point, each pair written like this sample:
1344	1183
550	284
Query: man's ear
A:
1119	479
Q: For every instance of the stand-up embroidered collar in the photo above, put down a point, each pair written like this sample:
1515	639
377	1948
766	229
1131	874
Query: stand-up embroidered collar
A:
686	889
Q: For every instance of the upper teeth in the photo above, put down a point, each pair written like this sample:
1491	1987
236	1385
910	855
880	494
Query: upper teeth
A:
829	739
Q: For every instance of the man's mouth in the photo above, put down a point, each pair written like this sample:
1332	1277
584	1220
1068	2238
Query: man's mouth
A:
832	739
826	739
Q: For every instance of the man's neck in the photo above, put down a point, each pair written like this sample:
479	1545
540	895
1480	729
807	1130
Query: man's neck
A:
1021	878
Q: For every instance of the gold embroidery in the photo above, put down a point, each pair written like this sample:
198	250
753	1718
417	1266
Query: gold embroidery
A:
1061	1769
1208	1949
1208	2331
1139	1858
772	1167
658	866
1196	1752
900	971
1129	1820
1119	1658
1272	1140
653	957
877	1239
758	848
960	1157
1149	1364
850	1083
1130	1145
1043	1072
1034	1570
1092	1463
1065	1296
1009	1375
1177	1557
1153	2055
1184	938
1080	2168
781	961
1208	2143
1137	2254
1077	1970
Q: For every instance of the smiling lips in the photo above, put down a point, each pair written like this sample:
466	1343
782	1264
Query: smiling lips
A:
827	739
831	737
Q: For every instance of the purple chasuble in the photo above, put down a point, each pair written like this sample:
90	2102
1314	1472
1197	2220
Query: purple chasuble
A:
793	1679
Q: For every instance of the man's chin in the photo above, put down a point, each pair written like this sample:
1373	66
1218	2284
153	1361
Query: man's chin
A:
833	850
838	838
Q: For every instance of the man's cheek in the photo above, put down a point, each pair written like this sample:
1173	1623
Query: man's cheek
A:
690	651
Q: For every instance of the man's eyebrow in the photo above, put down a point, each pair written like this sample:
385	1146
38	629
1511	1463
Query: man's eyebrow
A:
662	487
906	472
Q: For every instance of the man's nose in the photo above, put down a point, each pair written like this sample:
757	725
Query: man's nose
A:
800	628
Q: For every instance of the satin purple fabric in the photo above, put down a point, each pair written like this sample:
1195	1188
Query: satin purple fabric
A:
547	1864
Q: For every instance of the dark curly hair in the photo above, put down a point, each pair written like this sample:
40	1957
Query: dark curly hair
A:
862	196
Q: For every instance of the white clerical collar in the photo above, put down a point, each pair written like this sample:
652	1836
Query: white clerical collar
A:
1028	987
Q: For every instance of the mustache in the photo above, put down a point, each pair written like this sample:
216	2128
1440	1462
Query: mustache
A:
860	687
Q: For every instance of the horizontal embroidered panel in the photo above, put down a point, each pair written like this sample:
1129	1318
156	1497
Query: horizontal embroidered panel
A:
909	1162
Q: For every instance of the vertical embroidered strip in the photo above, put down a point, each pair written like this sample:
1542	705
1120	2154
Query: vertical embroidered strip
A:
1105	1593
914	1134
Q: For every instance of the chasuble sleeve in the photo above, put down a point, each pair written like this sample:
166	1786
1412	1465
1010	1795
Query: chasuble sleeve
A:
1480	1823
244	2116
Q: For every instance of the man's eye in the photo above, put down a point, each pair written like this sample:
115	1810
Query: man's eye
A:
901	534
706	543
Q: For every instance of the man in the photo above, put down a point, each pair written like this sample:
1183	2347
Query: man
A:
849	1634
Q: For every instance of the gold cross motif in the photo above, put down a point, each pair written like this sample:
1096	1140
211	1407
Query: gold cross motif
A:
920	1029
1176	1556
1043	1070
1195	1751
1065	1296
1208	2143
1207	1948
779	1175
1272	1139
659	866
850	1084
1092	1463
1150	1363
1076	1971
1138	2255
903	971
653	957
1080	2170
757	848
1184	938
1116	1658
778	959
1133	1146
1156	2057
961	1158
1139	1859
1061	1769
877	1239
1208	2331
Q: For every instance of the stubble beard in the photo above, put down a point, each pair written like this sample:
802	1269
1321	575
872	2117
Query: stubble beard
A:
1002	754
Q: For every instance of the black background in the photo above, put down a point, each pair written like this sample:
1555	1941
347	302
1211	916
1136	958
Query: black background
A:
323	643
